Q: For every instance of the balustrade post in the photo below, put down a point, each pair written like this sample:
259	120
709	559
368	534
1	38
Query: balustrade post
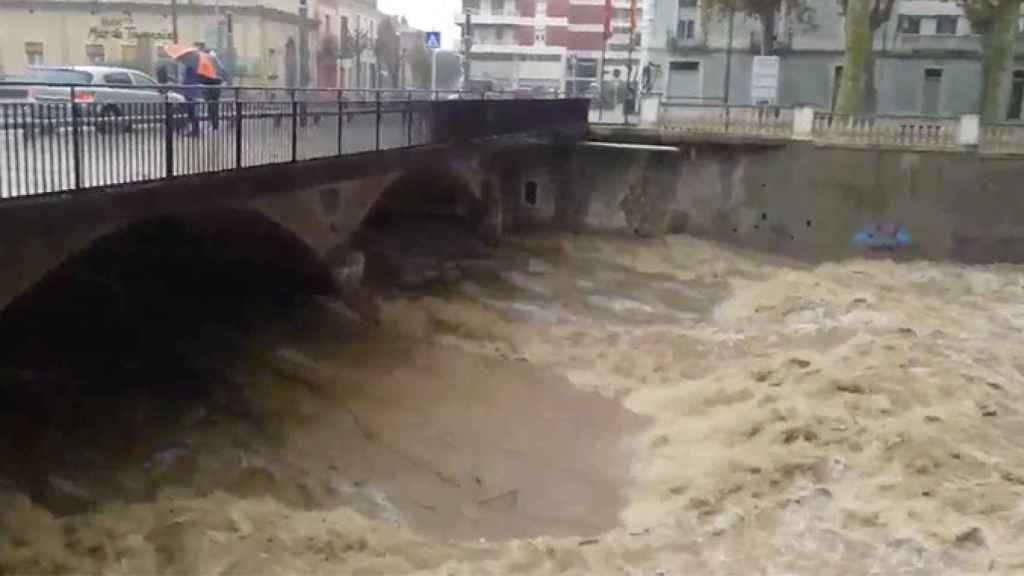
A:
969	131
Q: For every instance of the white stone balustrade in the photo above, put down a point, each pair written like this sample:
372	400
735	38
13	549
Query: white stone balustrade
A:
965	133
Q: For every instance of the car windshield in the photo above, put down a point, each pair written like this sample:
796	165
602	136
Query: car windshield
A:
57	76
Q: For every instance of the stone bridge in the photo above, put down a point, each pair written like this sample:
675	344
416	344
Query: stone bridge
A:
297	216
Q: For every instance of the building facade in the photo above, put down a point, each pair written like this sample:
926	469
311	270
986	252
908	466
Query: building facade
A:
551	44
929	61
346	34
259	41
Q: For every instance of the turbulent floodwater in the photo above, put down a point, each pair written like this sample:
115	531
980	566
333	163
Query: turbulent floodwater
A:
574	405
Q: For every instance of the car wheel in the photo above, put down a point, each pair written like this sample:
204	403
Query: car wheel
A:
109	120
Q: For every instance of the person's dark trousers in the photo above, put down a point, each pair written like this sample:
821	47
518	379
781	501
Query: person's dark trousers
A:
193	119
213	104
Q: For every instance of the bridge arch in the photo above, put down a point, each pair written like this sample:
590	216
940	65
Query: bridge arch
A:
138	285
436	192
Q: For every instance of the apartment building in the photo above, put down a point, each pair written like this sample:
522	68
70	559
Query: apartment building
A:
550	44
346	33
928	58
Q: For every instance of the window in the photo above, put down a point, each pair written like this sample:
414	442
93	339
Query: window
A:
684	80
586	68
95	53
498	6
932	91
946	24
499	33
142	80
117	78
539	35
909	24
686	29
344	28
683	4
1016	96
34	53
531	193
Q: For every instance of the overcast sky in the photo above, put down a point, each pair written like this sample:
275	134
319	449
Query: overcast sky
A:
427	15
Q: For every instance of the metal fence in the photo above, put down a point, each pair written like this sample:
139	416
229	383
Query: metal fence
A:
77	143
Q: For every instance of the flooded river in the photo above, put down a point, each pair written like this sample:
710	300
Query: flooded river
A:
568	405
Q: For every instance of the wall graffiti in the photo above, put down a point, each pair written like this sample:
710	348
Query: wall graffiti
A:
890	237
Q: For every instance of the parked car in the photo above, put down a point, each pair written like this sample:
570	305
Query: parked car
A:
108	96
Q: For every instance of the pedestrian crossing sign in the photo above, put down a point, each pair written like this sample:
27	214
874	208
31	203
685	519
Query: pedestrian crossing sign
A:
433	40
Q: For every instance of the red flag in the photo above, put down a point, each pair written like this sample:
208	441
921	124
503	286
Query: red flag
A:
608	19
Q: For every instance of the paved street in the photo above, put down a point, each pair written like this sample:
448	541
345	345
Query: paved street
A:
32	163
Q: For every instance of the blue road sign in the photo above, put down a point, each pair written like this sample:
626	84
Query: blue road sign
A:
433	40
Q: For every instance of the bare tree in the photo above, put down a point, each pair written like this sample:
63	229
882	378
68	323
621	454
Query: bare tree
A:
353	45
388	49
862	51
766	11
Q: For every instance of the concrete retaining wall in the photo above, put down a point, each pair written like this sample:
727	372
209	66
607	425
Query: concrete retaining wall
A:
795	198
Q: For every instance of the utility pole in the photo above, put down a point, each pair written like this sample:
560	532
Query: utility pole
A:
630	93
358	48
174	21
433	70
728	56
303	43
467	47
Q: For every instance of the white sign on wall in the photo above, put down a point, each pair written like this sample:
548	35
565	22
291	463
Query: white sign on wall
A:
764	80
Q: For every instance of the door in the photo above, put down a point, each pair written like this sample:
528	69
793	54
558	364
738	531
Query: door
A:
1016	96
837	81
684	80
932	92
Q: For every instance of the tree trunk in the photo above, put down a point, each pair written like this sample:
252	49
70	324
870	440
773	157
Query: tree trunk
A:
999	43
858	49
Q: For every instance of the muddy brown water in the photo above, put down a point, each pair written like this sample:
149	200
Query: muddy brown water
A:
572	405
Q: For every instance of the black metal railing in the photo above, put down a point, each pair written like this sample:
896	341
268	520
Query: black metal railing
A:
60	138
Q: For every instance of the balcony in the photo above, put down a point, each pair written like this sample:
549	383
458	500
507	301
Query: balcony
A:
937	43
508	17
680	44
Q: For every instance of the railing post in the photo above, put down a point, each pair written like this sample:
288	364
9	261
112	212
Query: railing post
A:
409	115
379	114
75	145
295	127
238	127
803	123
969	133
341	117
168	137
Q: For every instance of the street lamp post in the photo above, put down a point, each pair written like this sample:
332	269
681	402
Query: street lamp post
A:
174	20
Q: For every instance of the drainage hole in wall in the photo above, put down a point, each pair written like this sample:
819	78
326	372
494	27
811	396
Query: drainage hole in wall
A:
808	223
764	216
531	193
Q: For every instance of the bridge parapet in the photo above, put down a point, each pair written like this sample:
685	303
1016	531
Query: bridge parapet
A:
97	136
